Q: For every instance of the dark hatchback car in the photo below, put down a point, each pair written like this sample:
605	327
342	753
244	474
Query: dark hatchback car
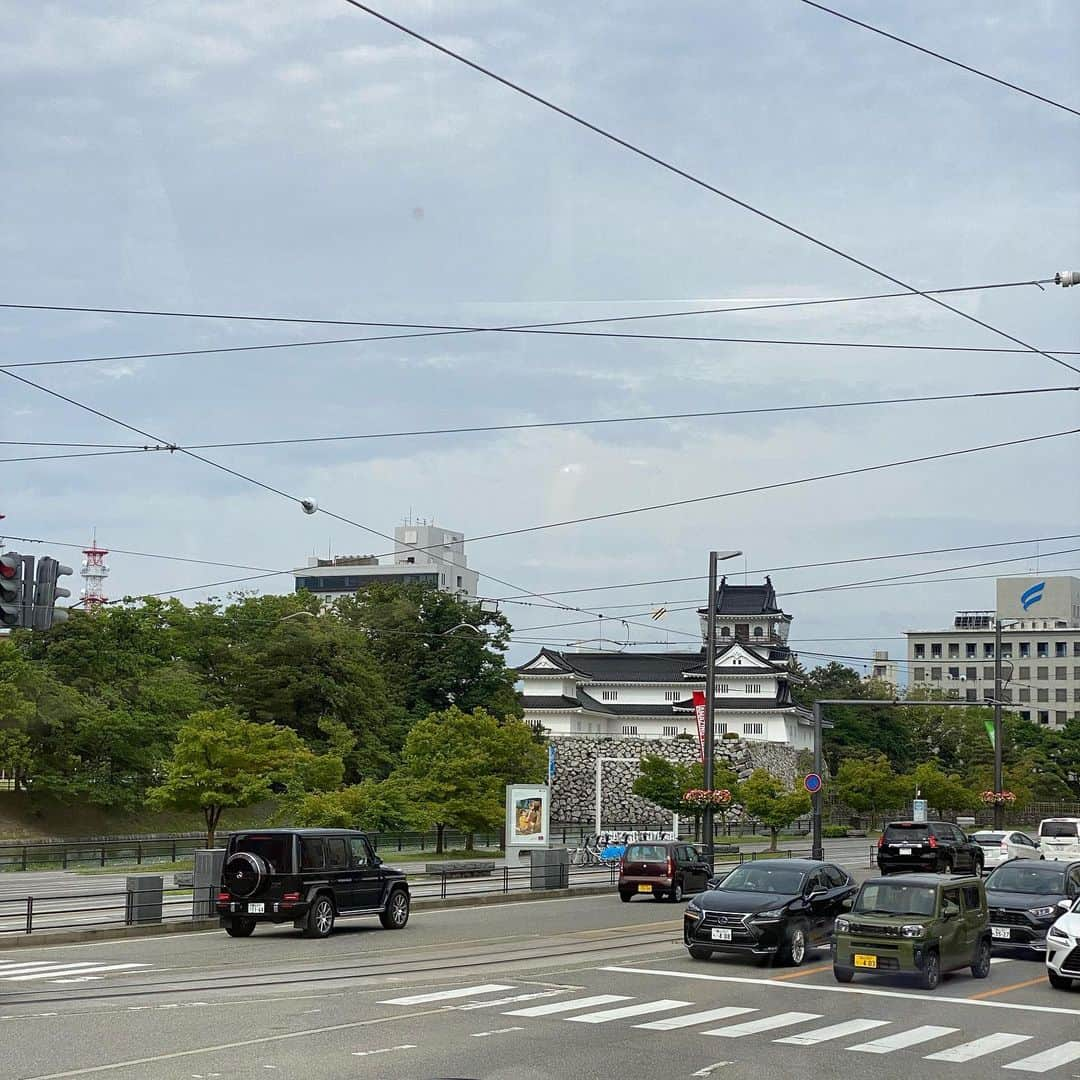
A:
662	869
936	847
1024	895
307	877
780	908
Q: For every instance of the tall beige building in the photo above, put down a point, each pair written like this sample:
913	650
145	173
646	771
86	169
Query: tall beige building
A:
1040	650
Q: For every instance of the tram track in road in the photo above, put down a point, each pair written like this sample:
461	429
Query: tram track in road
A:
585	946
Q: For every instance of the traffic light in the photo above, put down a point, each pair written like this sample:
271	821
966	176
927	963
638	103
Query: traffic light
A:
47	592
13	583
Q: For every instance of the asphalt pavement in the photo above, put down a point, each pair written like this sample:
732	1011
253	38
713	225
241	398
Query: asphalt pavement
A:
564	989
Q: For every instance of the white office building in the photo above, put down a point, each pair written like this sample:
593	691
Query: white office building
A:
649	695
424	555
1040	650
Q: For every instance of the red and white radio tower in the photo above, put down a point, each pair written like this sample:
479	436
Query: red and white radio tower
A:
94	572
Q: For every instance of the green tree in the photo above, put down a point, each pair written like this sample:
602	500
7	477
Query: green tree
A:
664	782
372	805
223	761
772	802
869	785
944	792
455	767
430	659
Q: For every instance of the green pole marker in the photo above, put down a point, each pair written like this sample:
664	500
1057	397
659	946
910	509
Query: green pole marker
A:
990	730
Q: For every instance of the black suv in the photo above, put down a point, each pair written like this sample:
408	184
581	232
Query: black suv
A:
307	877
937	847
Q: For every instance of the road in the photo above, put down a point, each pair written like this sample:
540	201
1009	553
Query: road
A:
565	989
63	898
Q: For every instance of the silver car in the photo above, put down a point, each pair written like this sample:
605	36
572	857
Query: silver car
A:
1001	847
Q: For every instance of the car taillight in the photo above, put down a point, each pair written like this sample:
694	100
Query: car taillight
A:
933	841
223	897
1004	848
670	867
290	898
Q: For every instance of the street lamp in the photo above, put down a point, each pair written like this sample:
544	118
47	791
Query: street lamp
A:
710	698
297	614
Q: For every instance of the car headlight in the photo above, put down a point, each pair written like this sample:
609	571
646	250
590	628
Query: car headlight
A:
772	913
1057	935
693	908
842	925
1041	912
913	930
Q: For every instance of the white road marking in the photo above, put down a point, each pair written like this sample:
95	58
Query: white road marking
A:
866	991
690	1019
766	1023
371	1053
447	995
903	1039
497	1031
69	969
1048	1059
978	1047
509	1000
1001	960
568	1006
834	1031
607	1015
710	1069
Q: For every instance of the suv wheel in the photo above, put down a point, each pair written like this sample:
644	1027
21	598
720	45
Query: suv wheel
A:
977	866
931	972
794	951
396	913
843	974
239	927
625	896
676	893
320	918
1059	982
981	967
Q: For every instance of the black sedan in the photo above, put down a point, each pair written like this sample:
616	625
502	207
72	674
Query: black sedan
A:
1023	896
778	908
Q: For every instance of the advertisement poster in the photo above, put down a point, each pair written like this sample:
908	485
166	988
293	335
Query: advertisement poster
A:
528	814
699	713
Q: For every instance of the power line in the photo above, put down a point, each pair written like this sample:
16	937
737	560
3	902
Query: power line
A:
488	428
940	56
704	184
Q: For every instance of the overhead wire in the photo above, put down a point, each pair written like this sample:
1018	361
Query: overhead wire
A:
699	182
941	56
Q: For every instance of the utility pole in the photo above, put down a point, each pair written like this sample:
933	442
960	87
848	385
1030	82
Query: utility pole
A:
999	780
817	848
710	706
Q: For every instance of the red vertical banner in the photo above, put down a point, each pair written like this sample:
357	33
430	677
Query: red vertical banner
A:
699	713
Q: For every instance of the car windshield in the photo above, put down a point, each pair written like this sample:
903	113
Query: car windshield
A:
1059	828
767	879
1028	879
914	834
274	849
646	853
895	898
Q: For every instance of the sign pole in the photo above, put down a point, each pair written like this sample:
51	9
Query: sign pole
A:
817	851
710	708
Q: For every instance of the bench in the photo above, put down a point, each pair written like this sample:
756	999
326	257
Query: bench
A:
465	868
184	879
726	849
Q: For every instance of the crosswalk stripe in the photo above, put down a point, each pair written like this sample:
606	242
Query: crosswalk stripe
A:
45	969
834	1031
447	995
1001	960
73	969
671	1023
607	1015
903	1039
568	1006
968	1051
766	1023
1048	1059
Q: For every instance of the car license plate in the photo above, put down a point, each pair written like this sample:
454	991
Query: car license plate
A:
905	851
644	888
256	909
865	961
1000	932
721	934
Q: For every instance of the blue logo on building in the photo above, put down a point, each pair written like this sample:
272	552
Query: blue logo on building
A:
1032	595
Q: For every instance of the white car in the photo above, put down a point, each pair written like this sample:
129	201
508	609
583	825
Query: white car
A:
1063	947
1000	847
1059	838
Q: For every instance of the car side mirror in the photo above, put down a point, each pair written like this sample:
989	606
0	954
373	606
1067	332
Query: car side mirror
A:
817	894
951	911
1065	905
847	903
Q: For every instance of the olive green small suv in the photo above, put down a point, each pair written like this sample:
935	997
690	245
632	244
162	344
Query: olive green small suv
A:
914	924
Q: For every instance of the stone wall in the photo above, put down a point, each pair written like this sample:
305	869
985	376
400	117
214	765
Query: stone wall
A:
574	789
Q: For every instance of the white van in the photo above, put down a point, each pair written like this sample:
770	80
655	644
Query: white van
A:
1059	838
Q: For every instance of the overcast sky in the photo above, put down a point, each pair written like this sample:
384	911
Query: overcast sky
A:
305	159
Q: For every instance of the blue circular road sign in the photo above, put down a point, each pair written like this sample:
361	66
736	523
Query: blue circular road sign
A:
812	783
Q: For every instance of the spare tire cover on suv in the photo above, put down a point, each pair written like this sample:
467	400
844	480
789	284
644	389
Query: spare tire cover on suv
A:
245	873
